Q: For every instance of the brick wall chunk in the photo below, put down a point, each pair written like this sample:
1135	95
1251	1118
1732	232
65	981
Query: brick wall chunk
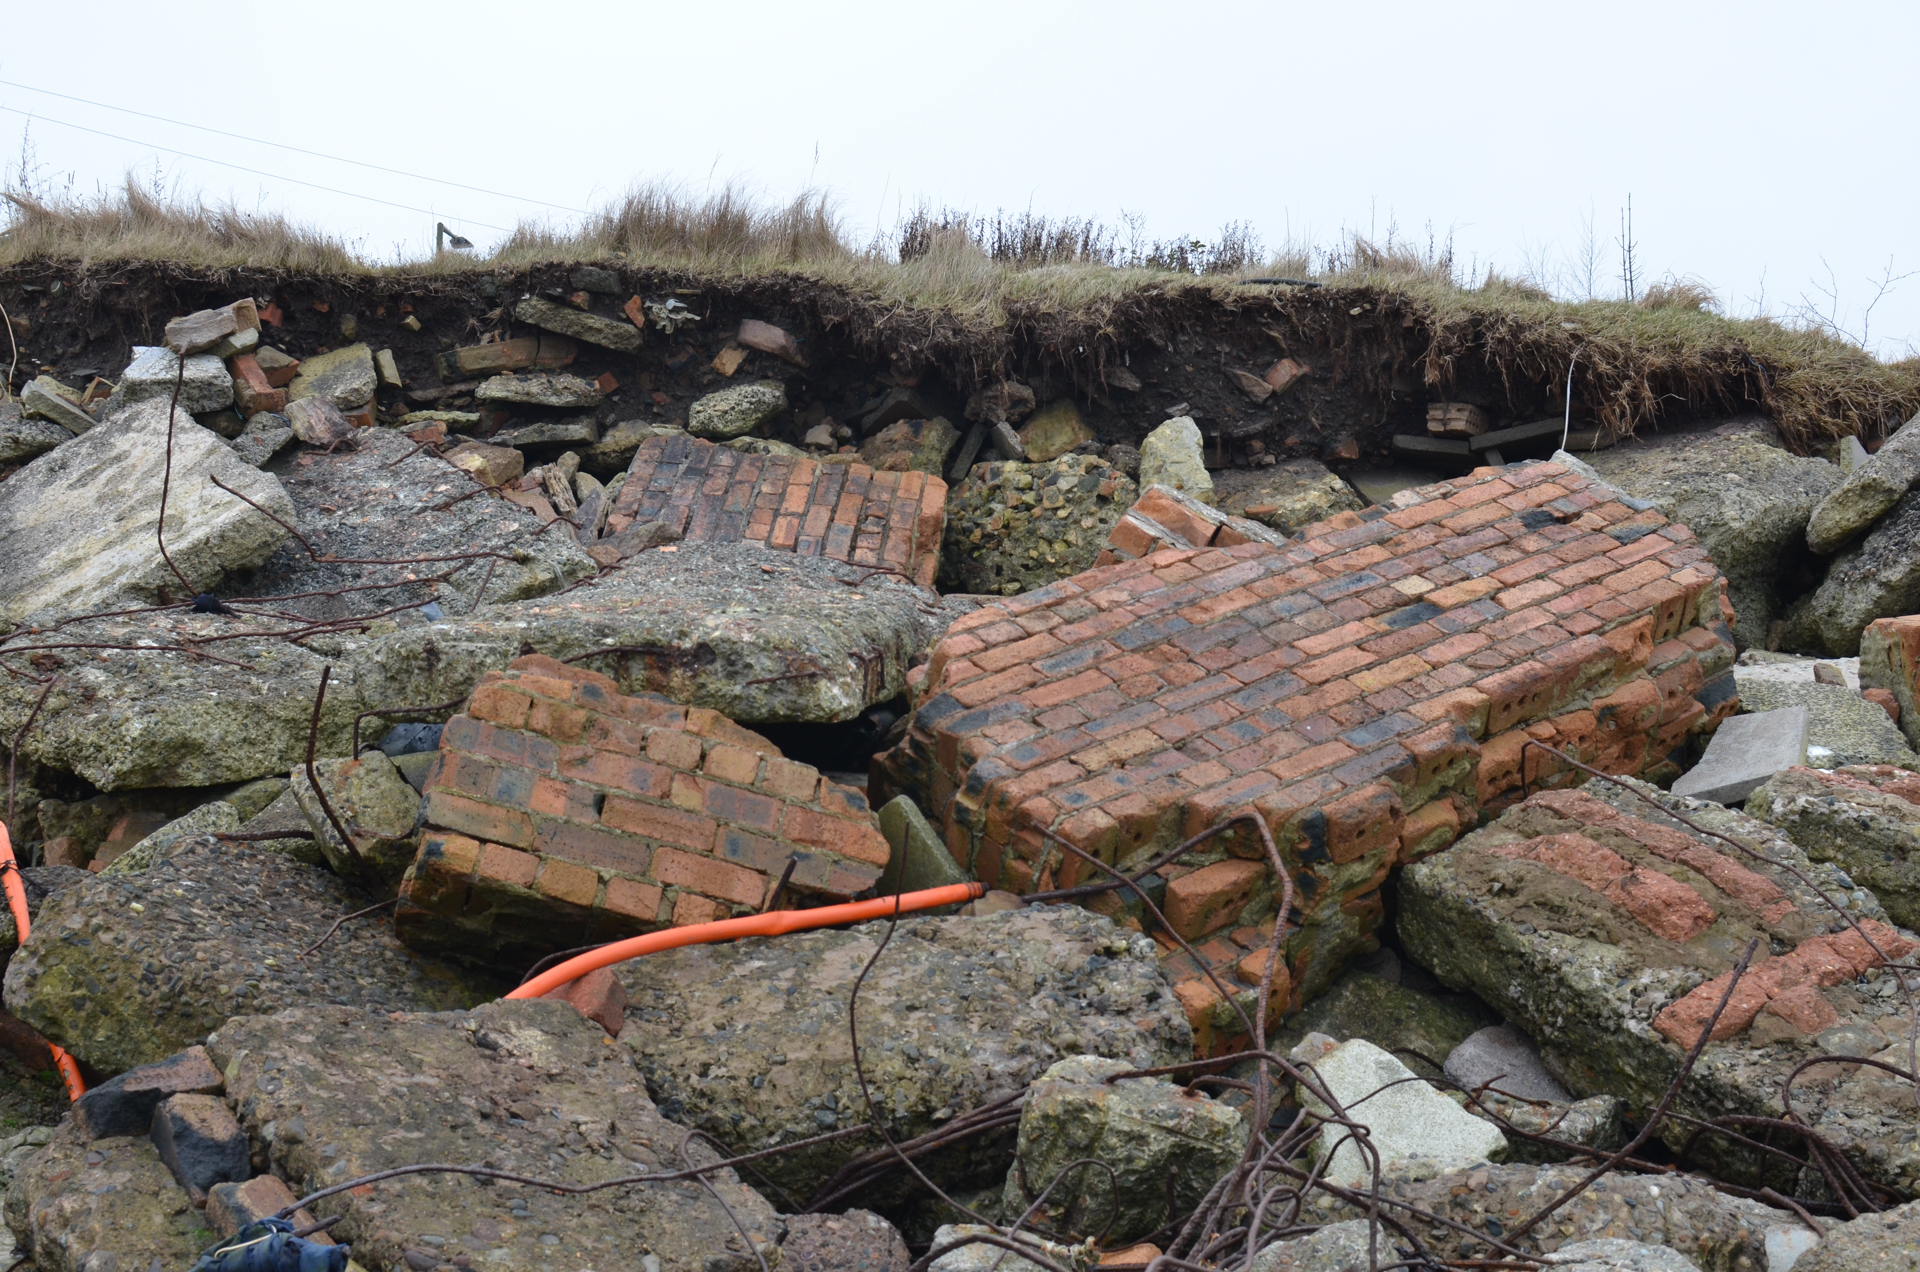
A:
849	512
1369	688
547	830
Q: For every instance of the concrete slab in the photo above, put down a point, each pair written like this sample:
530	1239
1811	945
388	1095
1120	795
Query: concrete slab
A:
1745	751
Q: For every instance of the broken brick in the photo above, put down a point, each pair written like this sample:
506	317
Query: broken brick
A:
546	828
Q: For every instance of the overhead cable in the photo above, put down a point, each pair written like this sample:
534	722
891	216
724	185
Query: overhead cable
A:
272	176
261	141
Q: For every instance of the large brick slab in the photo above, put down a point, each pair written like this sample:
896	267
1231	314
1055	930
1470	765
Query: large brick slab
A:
1367	689
849	512
1608	927
561	812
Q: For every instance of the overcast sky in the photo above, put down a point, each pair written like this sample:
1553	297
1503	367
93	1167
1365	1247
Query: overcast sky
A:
1763	144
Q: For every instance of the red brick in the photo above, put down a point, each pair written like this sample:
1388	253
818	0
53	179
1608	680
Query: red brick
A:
599	996
672	747
506	865
1212	897
733	764
667	825
500	704
1280	679
711	877
790	779
482	821
1321	670
690	908
564	881
861	841
1361	821
632	899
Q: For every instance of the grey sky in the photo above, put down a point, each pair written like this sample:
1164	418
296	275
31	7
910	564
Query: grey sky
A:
1756	139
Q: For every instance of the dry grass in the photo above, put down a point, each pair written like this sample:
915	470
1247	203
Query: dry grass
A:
132	224
993	281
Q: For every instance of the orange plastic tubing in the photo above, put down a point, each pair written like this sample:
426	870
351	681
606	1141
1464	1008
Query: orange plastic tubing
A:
773	923
16	890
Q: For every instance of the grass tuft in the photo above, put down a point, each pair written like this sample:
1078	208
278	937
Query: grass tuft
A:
131	224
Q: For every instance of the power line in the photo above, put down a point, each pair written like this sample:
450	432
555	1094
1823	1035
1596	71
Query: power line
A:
499	194
314	185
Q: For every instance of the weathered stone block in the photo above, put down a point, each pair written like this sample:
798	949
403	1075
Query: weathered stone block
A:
1173	455
154	371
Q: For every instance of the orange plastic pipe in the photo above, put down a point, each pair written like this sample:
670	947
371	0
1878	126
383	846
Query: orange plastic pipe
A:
773	923
16	890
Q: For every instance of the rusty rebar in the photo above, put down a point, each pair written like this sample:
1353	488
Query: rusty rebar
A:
313	776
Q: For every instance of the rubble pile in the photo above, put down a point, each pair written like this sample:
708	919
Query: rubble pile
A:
953	792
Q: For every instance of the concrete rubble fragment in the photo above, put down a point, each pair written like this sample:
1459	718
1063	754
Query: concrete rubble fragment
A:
736	411
1864	819
1718	1233
1288	496
956	1011
78	523
551	390
1408	1123
1011	528
1744	752
1868	493
21	438
249	913
619	335
1743	493
1842	726
153	374
1166	1145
